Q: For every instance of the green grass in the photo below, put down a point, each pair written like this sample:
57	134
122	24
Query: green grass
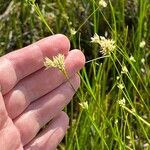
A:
104	124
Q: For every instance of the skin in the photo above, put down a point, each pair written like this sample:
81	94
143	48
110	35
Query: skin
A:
31	97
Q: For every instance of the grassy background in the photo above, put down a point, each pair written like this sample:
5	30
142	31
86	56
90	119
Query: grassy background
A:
105	124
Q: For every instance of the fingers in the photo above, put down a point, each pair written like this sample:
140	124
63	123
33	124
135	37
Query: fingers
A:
50	137
7	130
40	83
44	109
9	137
21	63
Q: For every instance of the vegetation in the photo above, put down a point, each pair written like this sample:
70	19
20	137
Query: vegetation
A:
111	110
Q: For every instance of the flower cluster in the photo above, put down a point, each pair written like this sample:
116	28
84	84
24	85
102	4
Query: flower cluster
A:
84	105
57	62
102	3
120	86
142	44
122	102
124	70
73	31
107	45
132	59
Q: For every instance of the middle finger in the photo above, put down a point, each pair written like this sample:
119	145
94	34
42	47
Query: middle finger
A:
44	109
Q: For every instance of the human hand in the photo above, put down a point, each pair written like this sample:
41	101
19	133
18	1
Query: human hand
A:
31	96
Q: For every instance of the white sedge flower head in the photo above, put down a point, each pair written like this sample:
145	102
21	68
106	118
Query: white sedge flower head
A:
120	86
143	61
84	105
102	3
122	102
116	121
95	38
142	70
117	77
132	58
65	16
124	70
57	62
73	31
107	45
142	44
128	137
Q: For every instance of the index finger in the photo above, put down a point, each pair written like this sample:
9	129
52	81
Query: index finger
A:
21	63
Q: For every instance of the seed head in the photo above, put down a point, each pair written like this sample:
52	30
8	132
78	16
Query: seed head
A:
132	59
124	70
122	102
57	62
95	38
107	45
143	61
142	44
120	86
73	31
84	105
102	3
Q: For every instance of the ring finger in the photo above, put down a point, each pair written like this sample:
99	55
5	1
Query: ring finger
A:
44	109
50	137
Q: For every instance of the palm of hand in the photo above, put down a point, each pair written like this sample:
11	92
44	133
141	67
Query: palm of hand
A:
32	96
